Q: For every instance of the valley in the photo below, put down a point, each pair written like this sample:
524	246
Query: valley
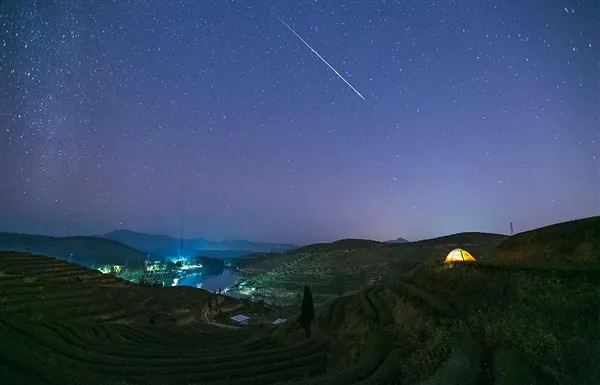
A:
384	314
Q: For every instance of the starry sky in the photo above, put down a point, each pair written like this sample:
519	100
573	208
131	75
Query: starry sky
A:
149	114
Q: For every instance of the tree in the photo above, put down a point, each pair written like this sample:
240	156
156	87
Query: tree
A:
307	311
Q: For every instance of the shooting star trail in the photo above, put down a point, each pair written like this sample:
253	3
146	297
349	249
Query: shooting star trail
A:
321	57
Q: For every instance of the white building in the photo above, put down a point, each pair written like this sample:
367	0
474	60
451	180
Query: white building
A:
240	319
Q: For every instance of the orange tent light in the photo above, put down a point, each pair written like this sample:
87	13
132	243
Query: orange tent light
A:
458	255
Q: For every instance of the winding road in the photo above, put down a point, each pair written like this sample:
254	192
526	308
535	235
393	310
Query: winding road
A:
206	314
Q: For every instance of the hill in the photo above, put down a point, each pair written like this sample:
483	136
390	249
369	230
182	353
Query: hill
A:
461	239
163	245
81	249
263	261
344	266
572	241
224	254
63	324
342	244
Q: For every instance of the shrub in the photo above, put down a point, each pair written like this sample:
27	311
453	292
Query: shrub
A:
462	367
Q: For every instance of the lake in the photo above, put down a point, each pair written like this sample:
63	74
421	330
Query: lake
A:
210	282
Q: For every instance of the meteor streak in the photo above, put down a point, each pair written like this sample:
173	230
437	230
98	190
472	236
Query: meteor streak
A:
321	57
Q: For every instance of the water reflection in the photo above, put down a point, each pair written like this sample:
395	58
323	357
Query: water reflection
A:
210	282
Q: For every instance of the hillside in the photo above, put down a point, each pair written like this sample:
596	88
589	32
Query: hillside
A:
224	254
261	261
63	324
344	266
573	241
163	245
462	239
81	249
342	244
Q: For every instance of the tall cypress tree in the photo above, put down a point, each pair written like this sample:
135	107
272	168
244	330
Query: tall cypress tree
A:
307	311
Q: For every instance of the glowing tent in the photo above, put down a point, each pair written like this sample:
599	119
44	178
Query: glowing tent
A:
458	255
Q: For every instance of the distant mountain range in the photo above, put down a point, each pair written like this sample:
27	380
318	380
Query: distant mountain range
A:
164	245
399	240
79	249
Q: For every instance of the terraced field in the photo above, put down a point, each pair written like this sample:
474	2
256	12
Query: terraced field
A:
64	324
329	274
348	266
476	323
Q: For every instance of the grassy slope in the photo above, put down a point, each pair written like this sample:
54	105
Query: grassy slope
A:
577	240
549	317
488	322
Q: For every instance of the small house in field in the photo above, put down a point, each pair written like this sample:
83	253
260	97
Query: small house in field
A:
240	319
459	255
279	321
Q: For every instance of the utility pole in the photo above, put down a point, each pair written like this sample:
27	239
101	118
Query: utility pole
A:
512	232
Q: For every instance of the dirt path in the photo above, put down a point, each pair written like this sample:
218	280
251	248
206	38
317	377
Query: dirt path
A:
206	314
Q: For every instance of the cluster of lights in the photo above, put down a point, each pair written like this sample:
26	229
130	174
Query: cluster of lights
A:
108	269
246	291
159	266
189	267
185	264
153	266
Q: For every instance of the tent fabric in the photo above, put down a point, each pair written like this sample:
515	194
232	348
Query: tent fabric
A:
459	255
239	318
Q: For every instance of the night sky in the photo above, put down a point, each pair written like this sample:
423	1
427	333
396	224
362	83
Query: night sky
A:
141	114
